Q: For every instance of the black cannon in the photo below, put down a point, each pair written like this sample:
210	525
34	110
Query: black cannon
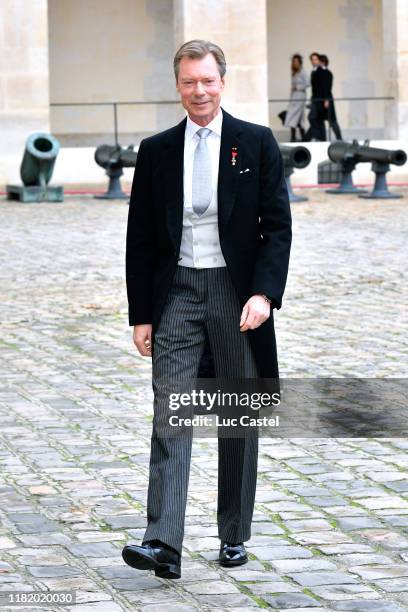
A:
114	158
36	169
294	157
350	154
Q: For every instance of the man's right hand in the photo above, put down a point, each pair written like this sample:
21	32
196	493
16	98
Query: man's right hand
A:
142	337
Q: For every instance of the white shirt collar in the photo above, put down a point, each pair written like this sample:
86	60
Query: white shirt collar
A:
214	125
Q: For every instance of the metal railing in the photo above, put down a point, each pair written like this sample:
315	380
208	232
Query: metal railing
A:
335	99
115	104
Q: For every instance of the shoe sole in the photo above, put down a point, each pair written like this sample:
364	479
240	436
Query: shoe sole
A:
142	562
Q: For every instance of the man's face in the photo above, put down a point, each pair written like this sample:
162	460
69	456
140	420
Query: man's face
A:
315	60
200	85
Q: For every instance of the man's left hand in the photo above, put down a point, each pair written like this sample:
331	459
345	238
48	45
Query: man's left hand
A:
254	313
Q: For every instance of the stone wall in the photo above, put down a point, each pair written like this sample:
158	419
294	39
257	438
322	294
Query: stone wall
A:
24	94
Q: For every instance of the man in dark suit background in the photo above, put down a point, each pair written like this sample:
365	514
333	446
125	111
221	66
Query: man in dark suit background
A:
330	111
207	255
320	93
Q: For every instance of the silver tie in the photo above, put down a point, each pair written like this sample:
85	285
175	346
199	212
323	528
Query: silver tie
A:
202	183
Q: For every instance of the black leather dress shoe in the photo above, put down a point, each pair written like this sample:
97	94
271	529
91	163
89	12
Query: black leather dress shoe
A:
232	554
164	562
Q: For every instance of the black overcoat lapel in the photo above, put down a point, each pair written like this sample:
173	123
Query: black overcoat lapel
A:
228	172
173	165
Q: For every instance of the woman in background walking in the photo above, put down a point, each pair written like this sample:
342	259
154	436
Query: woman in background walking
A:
299	83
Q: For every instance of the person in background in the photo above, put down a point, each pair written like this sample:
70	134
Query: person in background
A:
300	81
318	81
330	111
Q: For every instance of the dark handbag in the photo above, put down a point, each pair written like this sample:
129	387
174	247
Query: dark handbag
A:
282	116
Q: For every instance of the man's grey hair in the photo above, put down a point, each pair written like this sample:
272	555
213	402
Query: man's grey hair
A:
200	48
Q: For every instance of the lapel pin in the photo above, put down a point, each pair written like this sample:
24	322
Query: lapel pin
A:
234	154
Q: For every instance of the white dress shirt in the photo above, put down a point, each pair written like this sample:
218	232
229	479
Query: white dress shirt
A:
200	243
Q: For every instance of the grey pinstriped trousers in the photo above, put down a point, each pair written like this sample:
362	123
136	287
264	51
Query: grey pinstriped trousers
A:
199	299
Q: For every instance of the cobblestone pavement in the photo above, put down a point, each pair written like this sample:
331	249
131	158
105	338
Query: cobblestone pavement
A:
330	530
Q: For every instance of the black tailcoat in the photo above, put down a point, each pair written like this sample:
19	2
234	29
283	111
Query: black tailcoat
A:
320	90
254	224
330	113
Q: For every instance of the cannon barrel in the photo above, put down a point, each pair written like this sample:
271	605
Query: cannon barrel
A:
128	158
110	155
342	151
36	168
38	161
104	154
296	157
